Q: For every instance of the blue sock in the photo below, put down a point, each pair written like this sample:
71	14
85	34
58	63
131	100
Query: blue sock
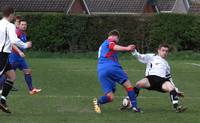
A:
28	79
132	96
104	99
2	81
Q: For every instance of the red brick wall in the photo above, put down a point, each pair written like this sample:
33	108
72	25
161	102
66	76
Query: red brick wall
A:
77	8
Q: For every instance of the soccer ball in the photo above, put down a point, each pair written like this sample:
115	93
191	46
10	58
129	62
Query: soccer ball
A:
126	102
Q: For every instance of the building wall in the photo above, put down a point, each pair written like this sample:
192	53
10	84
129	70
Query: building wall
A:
77	8
180	7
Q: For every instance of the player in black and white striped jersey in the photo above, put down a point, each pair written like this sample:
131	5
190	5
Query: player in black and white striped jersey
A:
158	76
7	38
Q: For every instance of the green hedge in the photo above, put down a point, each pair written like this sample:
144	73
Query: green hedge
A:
61	33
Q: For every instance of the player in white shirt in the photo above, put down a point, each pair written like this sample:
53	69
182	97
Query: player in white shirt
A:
8	37
157	75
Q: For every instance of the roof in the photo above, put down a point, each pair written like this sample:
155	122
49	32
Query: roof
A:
166	5
37	5
115	6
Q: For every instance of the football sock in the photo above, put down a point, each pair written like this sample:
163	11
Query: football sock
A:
174	98
2	81
6	89
137	91
132	96
28	79
104	99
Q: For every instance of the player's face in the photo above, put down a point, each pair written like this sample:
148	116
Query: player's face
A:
17	23
116	38
163	52
23	25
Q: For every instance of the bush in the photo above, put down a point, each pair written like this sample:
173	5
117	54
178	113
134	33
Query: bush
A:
61	33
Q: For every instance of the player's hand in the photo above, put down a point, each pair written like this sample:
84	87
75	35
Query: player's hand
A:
22	54
29	44
131	47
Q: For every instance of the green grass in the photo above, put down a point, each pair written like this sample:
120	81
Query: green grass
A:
69	84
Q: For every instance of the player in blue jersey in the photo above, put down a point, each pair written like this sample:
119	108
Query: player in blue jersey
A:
17	60
111	72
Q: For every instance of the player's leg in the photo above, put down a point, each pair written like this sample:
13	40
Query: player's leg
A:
168	87
5	68
28	77
108	87
121	77
143	83
14	65
132	95
2	81
10	74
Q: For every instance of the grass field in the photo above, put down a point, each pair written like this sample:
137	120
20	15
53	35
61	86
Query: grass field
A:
69	85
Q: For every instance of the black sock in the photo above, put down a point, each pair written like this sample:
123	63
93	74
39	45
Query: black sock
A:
137	91
174	98
6	89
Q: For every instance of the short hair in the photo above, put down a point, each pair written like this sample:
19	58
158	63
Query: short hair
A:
163	45
22	20
7	10
114	32
18	17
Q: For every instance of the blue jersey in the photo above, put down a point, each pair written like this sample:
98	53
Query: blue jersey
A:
109	69
15	56
106	54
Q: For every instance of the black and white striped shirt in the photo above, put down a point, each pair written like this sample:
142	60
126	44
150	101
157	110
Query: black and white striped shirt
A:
8	37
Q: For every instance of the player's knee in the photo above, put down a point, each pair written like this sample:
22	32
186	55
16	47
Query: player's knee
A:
11	78
139	85
28	71
168	87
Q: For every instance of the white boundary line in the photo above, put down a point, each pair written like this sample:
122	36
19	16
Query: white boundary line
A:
90	97
194	64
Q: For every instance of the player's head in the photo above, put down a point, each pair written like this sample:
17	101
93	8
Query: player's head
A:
163	50
17	20
114	35
8	13
23	24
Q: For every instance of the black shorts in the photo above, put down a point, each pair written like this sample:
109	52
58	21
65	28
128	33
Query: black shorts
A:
4	63
156	82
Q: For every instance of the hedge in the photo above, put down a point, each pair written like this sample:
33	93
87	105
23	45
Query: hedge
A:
71	33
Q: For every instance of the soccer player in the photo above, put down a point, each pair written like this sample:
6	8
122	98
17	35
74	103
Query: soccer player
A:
17	60
7	38
3	78
158	76
17	20
110	72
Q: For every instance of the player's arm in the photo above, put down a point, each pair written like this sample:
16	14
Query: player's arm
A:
14	40
113	46
144	58
17	50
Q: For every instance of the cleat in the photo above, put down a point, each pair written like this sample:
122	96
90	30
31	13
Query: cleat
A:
122	108
180	108
4	108
97	108
34	91
137	110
